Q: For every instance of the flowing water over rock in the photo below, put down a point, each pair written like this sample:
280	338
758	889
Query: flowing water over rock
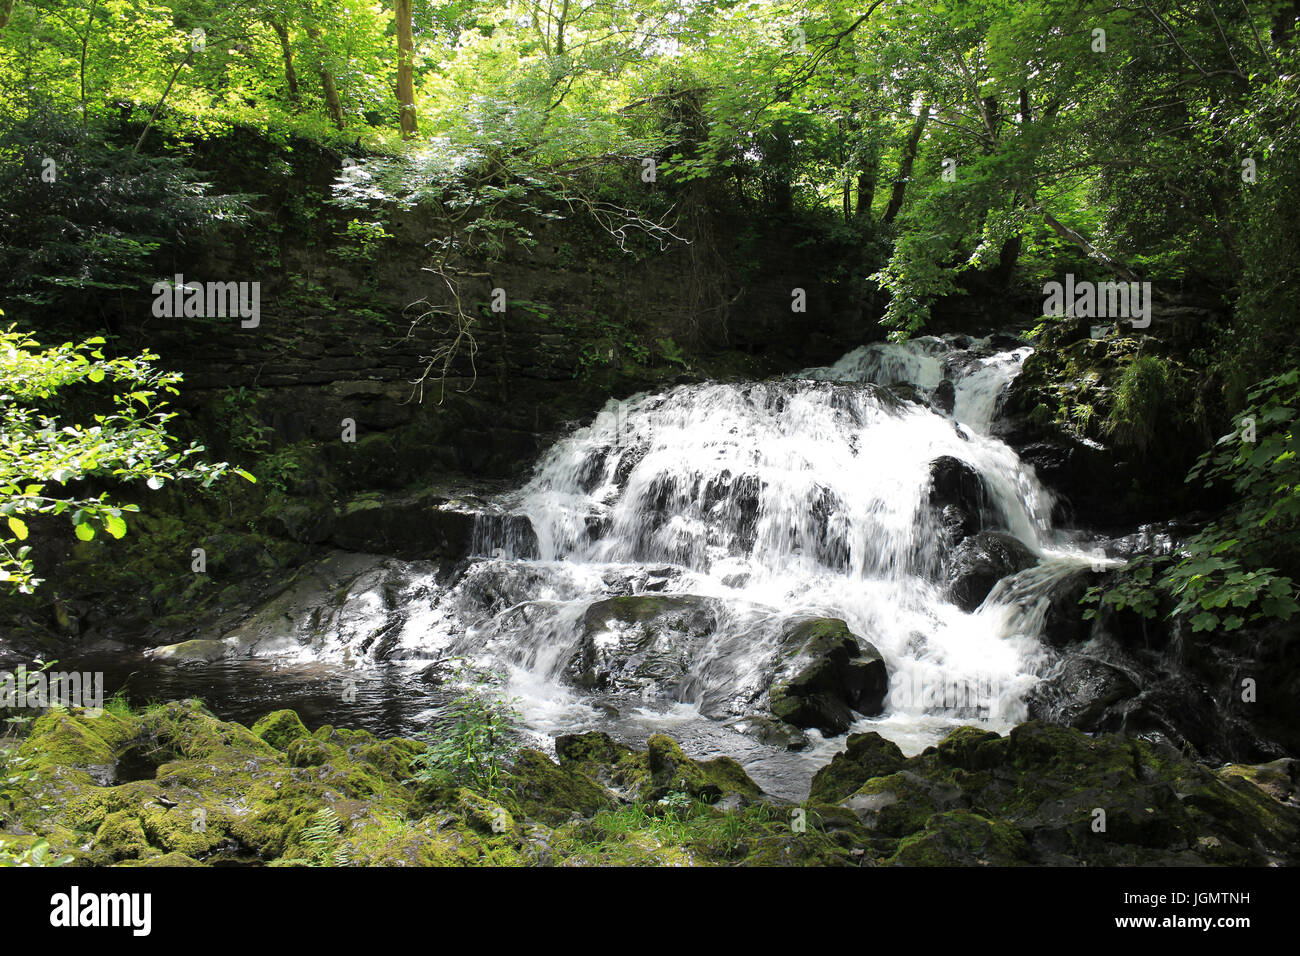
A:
730	513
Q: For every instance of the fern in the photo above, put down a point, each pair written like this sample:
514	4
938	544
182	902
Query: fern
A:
320	842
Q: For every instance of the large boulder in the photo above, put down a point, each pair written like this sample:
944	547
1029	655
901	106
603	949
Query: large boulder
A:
826	674
980	562
640	643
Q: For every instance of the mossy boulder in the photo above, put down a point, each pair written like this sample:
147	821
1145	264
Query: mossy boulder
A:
617	766
865	756
552	794
1108	800
962	838
280	728
120	836
671	771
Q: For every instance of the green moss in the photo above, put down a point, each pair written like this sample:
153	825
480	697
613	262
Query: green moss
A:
962	838
671	771
551	794
730	778
896	805
865	756
165	859
280	728
120	837
223	793
71	739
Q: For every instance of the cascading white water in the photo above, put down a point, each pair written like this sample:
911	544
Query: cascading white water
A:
978	373
791	499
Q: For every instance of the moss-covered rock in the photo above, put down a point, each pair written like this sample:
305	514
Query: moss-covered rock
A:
962	838
214	792
866	756
280	728
554	794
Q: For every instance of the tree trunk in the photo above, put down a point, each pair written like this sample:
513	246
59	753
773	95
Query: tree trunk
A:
405	68
290	76
905	164
331	90
867	177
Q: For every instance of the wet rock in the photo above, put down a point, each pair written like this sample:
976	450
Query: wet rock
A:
508	535
774	733
355	602
825	675
1064	624
421	525
1081	694
192	652
980	562
945	396
629	644
958	496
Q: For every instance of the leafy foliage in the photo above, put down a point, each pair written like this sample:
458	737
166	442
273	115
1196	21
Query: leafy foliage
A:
475	742
81	219
1242	567
47	460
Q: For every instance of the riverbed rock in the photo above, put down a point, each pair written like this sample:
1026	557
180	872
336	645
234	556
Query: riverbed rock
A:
192	652
980	562
825	674
640	643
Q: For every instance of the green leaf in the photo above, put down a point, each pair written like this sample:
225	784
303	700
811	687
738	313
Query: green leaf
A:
19	528
114	525
84	531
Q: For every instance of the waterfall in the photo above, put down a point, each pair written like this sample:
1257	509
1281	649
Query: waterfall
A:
783	500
